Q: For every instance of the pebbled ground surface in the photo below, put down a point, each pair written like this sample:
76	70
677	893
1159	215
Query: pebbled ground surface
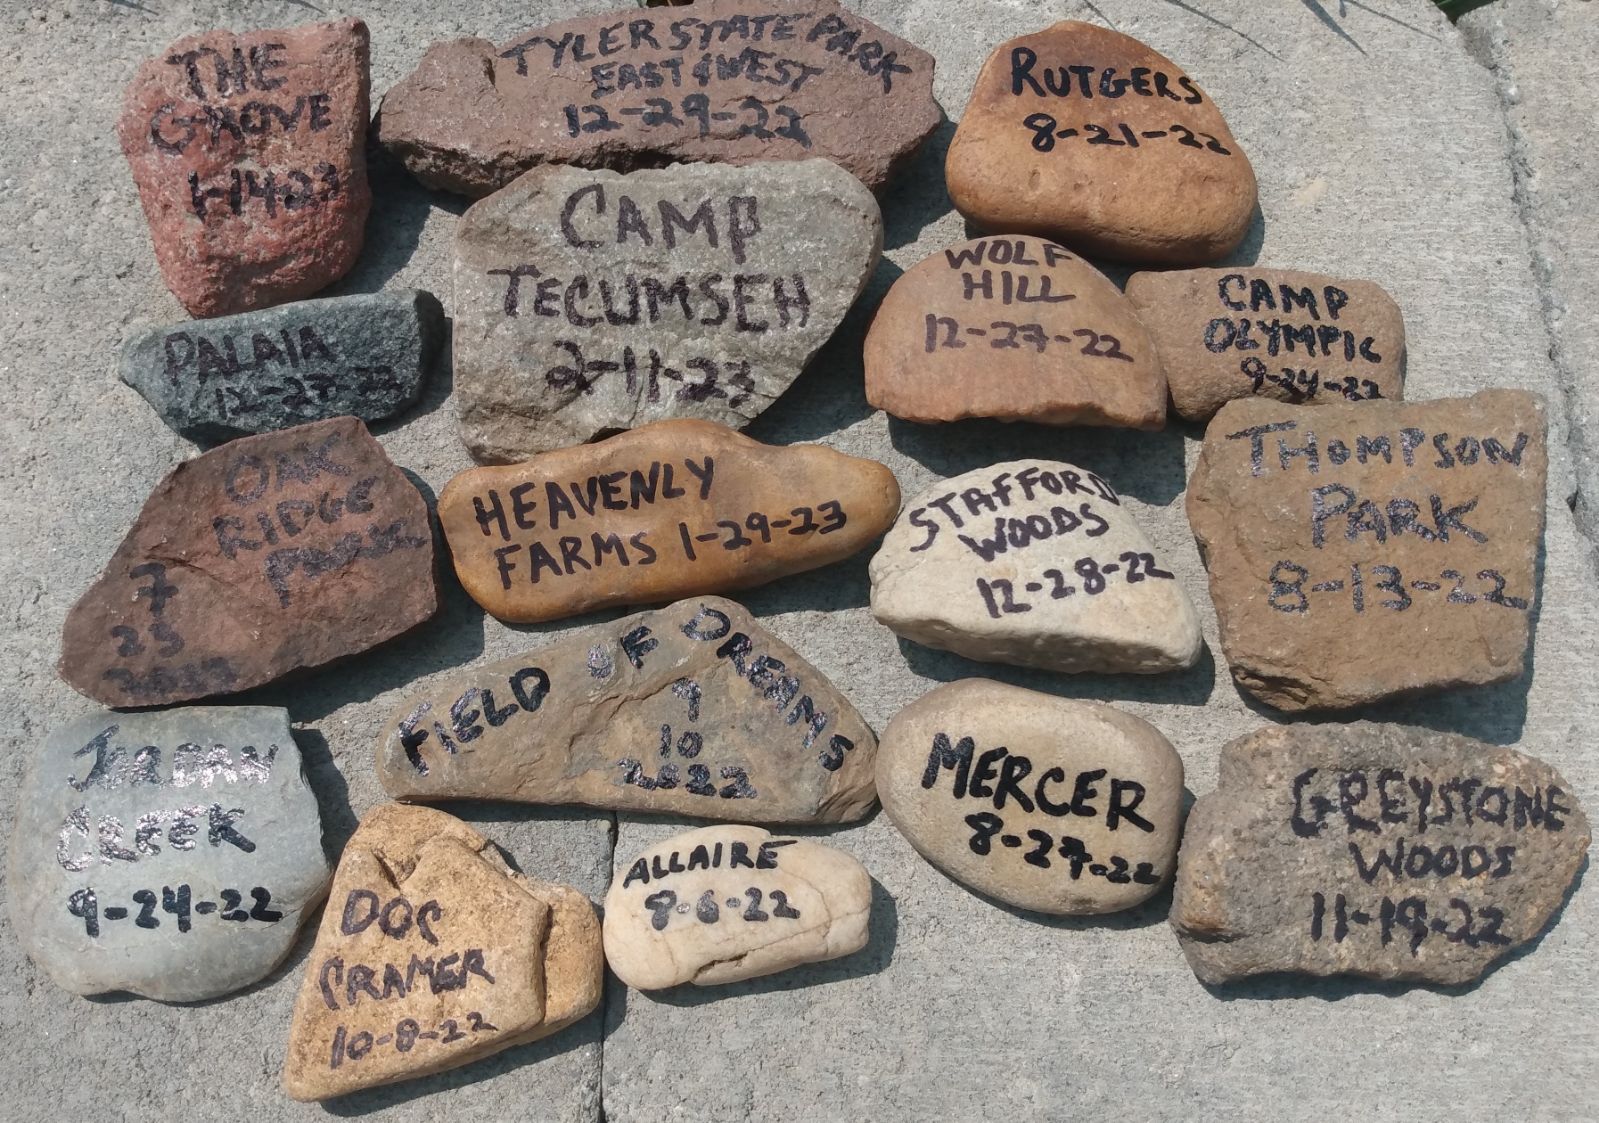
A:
1455	170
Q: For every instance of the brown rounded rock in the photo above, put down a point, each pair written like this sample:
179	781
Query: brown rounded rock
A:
731	81
1044	803
434	952
1016	328
1089	136
249	151
267	555
669	510
1272	333
1366	550
1373	850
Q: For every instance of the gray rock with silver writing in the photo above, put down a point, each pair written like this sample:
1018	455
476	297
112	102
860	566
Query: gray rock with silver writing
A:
690	710
1373	850
211	380
588	302
172	854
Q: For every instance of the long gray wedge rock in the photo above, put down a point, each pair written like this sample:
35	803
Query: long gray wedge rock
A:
691	710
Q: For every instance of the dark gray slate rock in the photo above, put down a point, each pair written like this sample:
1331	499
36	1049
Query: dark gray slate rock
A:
364	355
172	854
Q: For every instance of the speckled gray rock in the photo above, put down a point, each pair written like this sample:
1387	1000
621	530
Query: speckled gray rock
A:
211	380
1034	563
588	302
1373	850
172	854
692	710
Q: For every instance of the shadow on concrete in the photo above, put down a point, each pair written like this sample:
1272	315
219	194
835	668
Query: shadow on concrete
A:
400	210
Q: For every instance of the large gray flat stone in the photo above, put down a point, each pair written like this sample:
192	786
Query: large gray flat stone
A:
1381	151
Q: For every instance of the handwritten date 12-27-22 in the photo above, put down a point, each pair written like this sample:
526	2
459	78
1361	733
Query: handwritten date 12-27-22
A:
945	332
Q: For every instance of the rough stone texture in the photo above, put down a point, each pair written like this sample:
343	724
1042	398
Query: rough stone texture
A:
260	558
1057	806
586	305
1367	550
733	80
1087	135
213	380
692	710
1292	336
1035	563
602	526
504	958
1379	851
1382	157
171	854
1017	329
1539	50
250	156
728	903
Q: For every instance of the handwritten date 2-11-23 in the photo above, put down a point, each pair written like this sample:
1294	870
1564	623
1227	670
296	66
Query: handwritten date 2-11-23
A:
944	333
999	594
708	909
1047	132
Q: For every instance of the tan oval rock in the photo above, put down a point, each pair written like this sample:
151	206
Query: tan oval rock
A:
1368	550
433	952
1249	332
1373	850
270	554
1088	136
1015	328
691	710
1044	803
730	902
673	509
249	151
1035	563
731	81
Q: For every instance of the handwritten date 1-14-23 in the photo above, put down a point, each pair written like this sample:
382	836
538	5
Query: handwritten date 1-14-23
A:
1116	870
708	908
999	594
752	119
179	902
944	333
1046	132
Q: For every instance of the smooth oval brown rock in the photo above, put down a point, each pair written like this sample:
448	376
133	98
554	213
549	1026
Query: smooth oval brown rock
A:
1248	332
249	151
1016	328
732	81
669	510
691	710
1088	136
1373	850
269	554
729	902
1045	803
434	952
1368	550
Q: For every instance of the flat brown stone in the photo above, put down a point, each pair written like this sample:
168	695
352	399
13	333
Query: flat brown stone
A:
250	155
670	510
731	80
1090	137
1372	850
1271	333
266	555
692	710
1015	328
1366	550
434	952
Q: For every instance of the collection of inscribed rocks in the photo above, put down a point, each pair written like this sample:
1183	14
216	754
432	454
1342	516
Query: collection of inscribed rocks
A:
248	153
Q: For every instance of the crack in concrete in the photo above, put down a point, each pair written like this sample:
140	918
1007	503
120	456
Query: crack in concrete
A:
1488	46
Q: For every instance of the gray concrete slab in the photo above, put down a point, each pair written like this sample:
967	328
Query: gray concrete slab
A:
1382	152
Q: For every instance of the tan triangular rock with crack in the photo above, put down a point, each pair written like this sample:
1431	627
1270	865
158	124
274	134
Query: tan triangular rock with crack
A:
434	952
